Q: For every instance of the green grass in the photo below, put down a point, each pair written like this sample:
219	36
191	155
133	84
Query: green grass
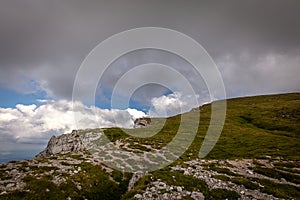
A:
221	170
42	169
139	187
290	170
287	164
37	190
189	182
2	175
74	156
273	173
245	182
140	147
2	166
221	177
255	127
174	178
95	183
65	163
222	194
239	181
279	190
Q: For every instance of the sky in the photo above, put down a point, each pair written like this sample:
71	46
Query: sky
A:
255	45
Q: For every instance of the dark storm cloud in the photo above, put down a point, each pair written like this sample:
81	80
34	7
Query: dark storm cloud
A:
146	92
254	43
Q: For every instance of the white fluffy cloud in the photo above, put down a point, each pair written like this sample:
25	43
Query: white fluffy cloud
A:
135	113
35	124
173	104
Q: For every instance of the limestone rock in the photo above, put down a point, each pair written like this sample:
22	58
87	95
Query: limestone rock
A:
135	177
138	196
142	122
66	143
197	195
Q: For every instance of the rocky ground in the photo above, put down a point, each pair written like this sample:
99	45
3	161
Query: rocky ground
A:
66	160
60	168
241	176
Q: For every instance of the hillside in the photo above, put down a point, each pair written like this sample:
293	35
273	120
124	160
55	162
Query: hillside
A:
256	157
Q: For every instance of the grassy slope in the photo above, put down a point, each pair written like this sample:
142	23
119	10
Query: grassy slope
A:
260	126
254	128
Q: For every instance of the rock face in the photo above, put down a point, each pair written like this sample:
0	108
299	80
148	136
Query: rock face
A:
142	122
66	143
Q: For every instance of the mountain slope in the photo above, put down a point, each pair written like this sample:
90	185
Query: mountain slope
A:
256	156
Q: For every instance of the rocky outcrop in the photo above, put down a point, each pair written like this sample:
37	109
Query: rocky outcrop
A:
67	143
142	122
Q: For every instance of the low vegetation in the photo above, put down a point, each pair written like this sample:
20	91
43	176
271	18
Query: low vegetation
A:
279	190
274	173
262	127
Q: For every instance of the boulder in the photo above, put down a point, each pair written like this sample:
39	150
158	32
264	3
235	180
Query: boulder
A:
142	122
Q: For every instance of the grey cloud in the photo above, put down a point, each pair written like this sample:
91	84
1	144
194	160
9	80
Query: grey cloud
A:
145	93
248	74
46	41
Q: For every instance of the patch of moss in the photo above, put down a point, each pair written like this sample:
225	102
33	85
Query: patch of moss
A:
221	177
76	156
222	170
177	178
42	169
290	170
279	190
2	166
222	194
273	173
65	163
287	164
140	147
245	182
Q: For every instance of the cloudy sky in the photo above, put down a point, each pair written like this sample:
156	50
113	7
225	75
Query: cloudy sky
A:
255	45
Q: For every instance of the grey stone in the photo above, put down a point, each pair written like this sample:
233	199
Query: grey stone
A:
66	143
197	195
179	189
165	196
142	122
10	185
138	196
